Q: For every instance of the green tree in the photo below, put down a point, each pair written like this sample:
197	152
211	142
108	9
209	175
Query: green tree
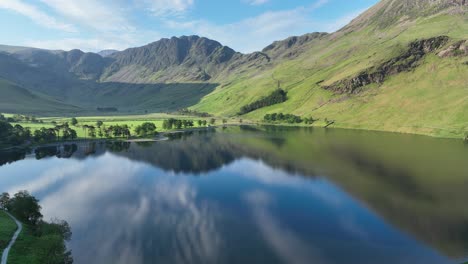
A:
99	124
212	121
4	200
74	121
26	207
145	129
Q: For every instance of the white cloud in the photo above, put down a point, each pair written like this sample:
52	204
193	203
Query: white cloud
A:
36	15
256	2
99	15
255	33
163	8
95	44
250	34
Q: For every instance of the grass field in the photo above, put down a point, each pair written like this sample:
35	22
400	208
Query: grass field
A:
7	229
130	120
31	249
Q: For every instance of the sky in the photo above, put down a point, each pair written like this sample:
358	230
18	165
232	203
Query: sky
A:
94	25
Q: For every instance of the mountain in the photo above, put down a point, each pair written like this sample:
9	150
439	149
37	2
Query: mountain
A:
188	58
16	99
400	66
107	53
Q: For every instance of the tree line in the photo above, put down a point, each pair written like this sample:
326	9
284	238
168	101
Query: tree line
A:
20	118
287	118
186	111
173	123
276	97
16	135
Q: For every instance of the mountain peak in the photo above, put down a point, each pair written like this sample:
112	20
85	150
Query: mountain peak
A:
173	56
391	12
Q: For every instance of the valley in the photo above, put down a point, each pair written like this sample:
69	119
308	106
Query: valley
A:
406	75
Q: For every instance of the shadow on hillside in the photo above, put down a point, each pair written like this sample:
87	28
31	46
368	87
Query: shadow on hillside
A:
158	97
131	98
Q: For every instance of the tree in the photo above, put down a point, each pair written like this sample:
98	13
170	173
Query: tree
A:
92	131
26	207
74	121
145	129
4	200
212	121
99	124
200	123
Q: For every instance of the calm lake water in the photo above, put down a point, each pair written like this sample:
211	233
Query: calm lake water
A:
255	195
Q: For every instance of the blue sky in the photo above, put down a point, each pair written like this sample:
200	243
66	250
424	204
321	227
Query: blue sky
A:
93	25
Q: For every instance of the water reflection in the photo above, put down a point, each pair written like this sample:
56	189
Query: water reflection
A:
258	196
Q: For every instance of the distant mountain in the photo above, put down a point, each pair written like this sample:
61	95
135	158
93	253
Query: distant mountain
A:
107	53
399	66
189	58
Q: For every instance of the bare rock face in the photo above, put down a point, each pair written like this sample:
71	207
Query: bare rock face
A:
405	62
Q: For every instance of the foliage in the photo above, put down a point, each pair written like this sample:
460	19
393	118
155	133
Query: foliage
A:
4	200
178	123
25	207
39	242
118	131
74	121
186	111
280	117
44	135
146	129
276	97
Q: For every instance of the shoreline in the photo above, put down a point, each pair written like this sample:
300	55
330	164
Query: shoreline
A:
162	136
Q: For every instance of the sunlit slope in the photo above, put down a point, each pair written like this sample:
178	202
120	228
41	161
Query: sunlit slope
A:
432	98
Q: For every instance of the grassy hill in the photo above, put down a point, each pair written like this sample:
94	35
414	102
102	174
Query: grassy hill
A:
16	99
431	98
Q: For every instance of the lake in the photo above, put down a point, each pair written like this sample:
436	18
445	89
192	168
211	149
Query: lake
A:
255	195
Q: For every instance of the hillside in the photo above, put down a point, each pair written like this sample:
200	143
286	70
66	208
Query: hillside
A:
16	99
428	95
400	66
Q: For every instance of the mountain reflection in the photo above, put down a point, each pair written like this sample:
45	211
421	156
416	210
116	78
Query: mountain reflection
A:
139	203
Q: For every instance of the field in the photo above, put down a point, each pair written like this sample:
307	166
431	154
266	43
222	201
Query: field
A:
130	120
7	229
32	249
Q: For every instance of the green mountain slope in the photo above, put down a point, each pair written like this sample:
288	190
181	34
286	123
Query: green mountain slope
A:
16	99
430	97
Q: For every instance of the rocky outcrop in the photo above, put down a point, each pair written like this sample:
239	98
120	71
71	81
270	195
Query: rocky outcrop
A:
405	62
460	48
